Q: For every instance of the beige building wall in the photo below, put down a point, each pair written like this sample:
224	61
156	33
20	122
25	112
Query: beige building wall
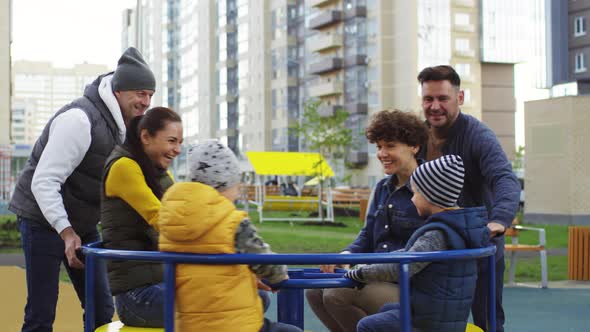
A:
557	184
207	49
396	64
256	129
498	103
5	87
465	51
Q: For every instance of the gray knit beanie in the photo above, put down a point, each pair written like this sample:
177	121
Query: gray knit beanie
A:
133	73
213	164
440	181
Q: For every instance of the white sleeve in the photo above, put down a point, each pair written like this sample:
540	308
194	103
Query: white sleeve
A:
68	142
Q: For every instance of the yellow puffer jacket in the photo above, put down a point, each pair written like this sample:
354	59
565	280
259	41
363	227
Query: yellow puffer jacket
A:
195	218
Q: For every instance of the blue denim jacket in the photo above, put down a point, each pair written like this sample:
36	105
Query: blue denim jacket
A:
391	220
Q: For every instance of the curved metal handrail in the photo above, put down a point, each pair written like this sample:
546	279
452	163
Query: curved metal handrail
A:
292	289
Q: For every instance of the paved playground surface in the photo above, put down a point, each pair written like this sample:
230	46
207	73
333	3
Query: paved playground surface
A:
564	307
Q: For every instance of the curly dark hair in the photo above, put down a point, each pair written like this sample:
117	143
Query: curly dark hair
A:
399	126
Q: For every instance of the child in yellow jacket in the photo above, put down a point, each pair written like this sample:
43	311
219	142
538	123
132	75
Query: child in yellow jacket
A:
199	217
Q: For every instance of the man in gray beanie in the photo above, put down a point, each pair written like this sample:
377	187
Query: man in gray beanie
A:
57	195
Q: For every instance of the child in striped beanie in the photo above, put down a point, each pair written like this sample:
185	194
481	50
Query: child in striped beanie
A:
441	292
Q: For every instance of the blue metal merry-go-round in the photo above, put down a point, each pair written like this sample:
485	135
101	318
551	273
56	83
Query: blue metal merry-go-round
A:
290	298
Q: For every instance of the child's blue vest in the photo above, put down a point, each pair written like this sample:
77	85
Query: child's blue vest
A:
441	294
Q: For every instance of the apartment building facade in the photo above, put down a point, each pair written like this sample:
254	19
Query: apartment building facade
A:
569	42
40	90
5	88
242	71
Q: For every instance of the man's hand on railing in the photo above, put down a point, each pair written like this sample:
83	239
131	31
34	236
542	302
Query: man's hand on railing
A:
496	229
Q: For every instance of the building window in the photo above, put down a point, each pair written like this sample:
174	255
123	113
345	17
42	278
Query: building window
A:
579	26
462	44
580	62
461	19
467	96
463	69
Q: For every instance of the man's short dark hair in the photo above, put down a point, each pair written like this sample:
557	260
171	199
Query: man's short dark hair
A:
440	73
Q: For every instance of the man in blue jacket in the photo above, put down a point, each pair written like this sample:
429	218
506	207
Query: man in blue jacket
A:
489	179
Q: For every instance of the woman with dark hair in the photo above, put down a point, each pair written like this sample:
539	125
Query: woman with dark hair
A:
135	178
389	223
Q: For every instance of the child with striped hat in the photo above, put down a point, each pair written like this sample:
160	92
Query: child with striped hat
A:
441	292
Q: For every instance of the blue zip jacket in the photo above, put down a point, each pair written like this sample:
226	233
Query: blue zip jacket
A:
489	179
391	220
442	293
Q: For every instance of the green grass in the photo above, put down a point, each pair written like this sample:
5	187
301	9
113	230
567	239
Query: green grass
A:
297	237
7	218
557	236
300	237
529	269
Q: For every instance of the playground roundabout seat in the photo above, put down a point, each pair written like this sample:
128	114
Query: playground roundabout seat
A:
290	299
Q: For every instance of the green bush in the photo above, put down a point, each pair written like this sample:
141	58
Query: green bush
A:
9	235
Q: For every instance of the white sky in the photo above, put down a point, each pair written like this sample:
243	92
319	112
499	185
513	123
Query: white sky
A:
68	32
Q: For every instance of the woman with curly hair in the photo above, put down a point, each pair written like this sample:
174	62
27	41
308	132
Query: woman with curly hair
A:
389	223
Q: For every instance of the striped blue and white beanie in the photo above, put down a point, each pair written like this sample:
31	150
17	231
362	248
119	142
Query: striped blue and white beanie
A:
440	181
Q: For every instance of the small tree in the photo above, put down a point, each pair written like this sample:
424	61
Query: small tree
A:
324	133
518	162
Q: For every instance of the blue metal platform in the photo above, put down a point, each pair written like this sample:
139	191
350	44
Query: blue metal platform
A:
290	301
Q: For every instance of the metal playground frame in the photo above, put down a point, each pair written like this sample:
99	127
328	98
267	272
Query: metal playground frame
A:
290	298
291	164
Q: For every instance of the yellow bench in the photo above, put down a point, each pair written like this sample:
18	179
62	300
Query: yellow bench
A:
290	203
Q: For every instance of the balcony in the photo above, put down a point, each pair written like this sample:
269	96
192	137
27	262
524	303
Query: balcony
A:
326	89
357	108
357	158
228	98
356	60
464	3
322	42
318	3
356	11
468	53
325	19
230	132
467	78
283	40
325	65
464	27
326	111
230	27
228	63
284	81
